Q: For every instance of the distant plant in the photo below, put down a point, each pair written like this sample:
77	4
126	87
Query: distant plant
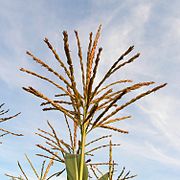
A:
44	171
3	119
88	108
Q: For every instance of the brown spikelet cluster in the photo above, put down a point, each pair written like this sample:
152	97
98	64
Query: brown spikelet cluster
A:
3	131
94	107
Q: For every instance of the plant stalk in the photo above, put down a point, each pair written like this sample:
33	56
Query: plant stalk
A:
83	141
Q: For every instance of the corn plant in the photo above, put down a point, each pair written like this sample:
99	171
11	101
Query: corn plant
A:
86	107
42	175
3	119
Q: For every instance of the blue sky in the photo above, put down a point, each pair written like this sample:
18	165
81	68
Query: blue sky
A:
152	148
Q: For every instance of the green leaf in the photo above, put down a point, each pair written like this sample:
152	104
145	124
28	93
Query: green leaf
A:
72	162
71	166
104	177
32	166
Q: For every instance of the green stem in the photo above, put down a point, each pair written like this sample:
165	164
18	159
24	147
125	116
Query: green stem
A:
83	141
